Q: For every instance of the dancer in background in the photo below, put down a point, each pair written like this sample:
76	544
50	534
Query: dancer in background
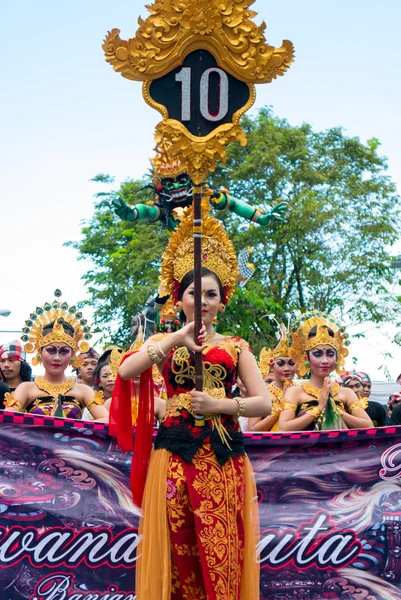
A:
318	344
283	369
56	333
198	540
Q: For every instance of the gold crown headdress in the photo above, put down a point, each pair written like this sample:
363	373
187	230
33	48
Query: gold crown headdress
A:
268	356
165	164
116	356
299	342
168	312
57	313
218	254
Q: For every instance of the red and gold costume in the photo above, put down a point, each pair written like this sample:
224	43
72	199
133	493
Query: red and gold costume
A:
209	483
199	527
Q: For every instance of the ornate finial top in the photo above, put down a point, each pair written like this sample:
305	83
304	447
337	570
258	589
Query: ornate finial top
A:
176	28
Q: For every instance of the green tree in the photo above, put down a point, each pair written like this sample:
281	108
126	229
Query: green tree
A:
125	261
332	254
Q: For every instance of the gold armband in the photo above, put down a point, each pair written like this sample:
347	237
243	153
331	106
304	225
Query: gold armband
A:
290	406
241	407
361	403
153	356
11	402
98	400
315	412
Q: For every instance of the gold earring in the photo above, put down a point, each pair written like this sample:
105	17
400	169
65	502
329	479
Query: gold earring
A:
215	320
222	308
36	360
178	305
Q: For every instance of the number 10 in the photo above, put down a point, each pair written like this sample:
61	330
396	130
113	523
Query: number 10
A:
185	76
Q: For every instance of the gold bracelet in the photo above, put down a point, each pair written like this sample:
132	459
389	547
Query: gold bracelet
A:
154	357
315	412
241	407
275	411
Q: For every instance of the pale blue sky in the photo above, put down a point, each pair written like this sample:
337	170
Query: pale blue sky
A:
65	116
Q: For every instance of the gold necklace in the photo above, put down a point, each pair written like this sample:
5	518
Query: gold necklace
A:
315	392
54	389
210	335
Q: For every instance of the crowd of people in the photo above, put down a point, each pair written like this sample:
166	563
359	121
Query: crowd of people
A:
295	391
196	488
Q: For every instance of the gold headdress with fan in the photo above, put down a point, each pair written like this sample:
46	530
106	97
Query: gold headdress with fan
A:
299	342
58	313
268	356
165	163
218	254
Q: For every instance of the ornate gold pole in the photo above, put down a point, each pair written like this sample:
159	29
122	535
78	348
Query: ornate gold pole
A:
197	232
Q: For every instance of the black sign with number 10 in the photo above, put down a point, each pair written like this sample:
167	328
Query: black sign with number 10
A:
199	94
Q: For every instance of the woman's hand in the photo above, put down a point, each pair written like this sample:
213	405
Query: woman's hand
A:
202	403
185	337
325	393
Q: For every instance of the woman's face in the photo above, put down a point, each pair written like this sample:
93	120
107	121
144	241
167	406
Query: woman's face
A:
56	358
323	360
284	369
210	300
105	382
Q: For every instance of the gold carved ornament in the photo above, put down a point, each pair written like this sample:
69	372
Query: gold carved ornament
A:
218	255
268	356
116	356
53	389
301	340
59	314
173	30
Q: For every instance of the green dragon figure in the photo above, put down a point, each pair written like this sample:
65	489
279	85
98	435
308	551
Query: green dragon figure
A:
173	190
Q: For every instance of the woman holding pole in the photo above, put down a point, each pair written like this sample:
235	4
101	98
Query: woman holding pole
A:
199	523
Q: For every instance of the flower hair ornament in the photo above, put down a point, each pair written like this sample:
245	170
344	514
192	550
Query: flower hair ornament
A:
268	356
218	254
299	343
59	314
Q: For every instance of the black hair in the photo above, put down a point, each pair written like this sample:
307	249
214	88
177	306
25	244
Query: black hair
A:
25	371
103	361
66	326
188	279
377	413
395	417
313	332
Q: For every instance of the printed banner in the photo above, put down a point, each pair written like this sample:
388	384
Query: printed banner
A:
329	504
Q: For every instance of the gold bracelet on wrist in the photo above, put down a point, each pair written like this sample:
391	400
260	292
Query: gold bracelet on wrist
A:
275	411
315	412
154	357
241	408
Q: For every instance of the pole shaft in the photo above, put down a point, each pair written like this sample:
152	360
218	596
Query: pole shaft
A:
197	204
